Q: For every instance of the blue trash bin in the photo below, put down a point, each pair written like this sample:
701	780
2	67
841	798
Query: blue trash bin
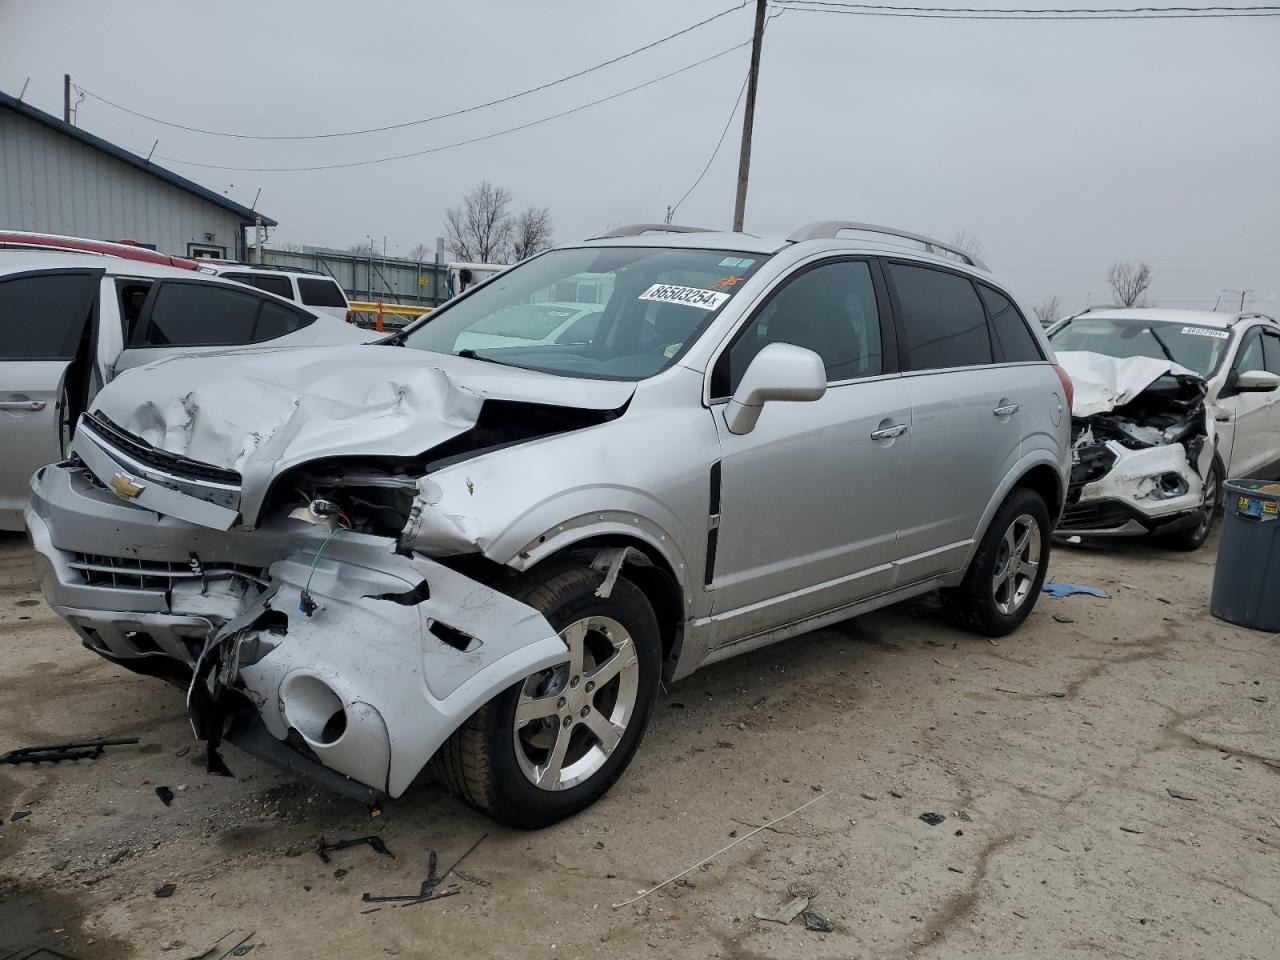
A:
1246	583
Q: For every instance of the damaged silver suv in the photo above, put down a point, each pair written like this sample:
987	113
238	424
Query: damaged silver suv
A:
486	556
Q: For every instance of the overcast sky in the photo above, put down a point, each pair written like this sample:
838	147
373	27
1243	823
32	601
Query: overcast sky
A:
1062	146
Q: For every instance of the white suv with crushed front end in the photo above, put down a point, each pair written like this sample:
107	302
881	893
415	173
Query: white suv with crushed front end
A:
1168	404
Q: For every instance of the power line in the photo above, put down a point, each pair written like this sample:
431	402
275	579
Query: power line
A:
422	120
460	143
997	13
719	143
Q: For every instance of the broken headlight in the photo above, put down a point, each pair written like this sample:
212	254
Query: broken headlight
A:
1163	486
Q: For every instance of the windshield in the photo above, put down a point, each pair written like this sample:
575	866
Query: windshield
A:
621	313
1197	348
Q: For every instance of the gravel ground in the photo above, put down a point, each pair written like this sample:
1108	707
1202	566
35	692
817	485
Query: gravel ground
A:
1053	756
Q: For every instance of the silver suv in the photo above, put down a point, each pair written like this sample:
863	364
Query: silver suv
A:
362	559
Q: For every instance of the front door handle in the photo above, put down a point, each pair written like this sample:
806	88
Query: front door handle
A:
889	433
22	404
1006	410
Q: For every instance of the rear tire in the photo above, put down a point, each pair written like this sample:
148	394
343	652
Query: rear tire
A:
1194	538
1004	579
505	765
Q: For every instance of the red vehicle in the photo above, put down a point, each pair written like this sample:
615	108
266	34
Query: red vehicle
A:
125	249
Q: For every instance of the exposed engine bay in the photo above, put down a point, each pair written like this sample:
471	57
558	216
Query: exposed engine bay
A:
1142	441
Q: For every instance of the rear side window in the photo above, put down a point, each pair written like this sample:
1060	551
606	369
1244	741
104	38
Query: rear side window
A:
280	286
1009	327
943	321
321	293
206	315
43	317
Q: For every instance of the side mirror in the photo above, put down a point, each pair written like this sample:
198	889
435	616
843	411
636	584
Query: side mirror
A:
1257	381
780	371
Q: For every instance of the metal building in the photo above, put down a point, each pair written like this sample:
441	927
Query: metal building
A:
56	178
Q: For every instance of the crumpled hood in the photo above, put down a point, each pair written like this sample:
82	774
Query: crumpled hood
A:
264	412
1102	383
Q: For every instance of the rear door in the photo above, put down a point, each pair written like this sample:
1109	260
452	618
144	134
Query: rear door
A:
966	414
201	316
46	328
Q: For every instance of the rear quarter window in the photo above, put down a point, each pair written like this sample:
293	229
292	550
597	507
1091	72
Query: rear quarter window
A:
1009	327
321	293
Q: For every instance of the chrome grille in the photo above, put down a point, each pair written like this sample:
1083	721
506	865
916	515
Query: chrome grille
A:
130	573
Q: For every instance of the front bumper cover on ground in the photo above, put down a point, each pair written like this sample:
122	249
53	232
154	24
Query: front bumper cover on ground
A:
369	684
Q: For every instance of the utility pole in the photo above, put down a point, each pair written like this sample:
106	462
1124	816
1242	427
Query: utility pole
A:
748	118
257	239
66	97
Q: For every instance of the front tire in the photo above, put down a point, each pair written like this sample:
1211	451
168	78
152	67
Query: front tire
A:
551	744
1006	574
1194	538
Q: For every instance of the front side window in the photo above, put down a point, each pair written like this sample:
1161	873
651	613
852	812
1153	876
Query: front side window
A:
1251	353
622	313
43	317
1272	344
943	321
1195	347
830	309
1016	341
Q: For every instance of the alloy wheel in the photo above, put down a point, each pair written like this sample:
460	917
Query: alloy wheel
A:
570	718
1017	564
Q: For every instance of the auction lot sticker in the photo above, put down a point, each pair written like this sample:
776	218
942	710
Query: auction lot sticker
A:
688	296
1205	332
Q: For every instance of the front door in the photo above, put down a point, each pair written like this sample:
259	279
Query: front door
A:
45	326
1246	421
810	497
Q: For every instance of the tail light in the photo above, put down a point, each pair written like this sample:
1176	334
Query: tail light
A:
349	320
1068	388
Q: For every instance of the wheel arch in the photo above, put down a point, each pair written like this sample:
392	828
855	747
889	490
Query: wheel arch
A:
1035	472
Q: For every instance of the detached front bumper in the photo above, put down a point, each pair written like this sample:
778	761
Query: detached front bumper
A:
1132	498
399	652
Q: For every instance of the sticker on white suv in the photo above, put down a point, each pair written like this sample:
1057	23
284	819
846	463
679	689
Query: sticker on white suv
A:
688	296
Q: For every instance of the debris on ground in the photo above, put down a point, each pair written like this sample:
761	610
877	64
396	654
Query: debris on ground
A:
325	848
1179	795
1130	830
1061	590
733	843
19	815
817	922
1063	618
427	891
801	892
225	946
165	795
55	753
932	819
165	890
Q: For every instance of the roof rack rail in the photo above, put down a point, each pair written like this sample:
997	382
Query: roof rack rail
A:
273	267
636	229
828	229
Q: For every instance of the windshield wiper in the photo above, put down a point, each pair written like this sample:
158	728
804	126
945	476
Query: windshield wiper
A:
469	354
1163	346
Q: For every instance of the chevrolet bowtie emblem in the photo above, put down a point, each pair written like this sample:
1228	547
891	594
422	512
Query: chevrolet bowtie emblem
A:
127	487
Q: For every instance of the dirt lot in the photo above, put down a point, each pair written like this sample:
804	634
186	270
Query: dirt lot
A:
1050	753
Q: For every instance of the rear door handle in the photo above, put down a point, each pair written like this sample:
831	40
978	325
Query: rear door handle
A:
1007	410
888	433
22	404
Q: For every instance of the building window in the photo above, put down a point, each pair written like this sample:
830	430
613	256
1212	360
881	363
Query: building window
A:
206	251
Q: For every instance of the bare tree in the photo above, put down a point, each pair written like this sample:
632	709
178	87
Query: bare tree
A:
479	230
968	243
531	234
1129	282
1047	311
422	252
363	248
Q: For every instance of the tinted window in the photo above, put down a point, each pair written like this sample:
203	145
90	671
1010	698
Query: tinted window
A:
1010	328
1251	357
280	286
1272	341
133	297
42	318
321	293
942	318
830	309
206	314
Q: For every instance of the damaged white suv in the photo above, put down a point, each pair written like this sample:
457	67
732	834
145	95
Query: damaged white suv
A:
1168	404
363	559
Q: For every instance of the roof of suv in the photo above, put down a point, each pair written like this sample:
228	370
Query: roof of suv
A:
1199	318
15	260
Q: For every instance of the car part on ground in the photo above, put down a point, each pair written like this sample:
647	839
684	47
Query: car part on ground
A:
1143	450
358	560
